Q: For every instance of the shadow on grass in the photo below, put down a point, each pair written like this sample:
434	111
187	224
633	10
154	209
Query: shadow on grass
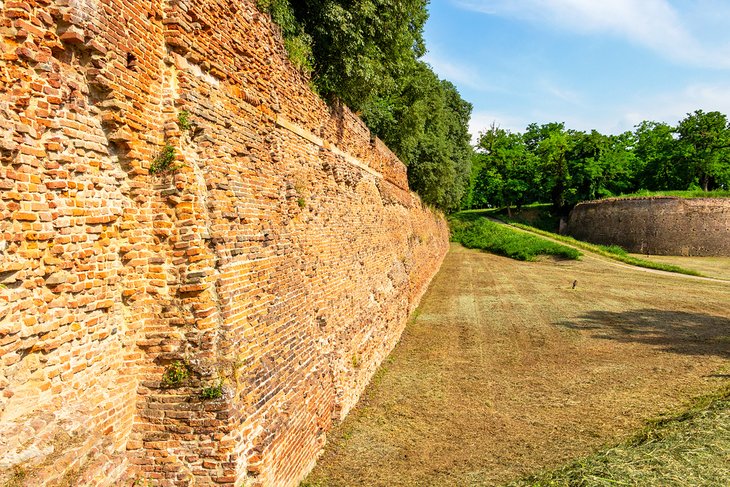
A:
673	331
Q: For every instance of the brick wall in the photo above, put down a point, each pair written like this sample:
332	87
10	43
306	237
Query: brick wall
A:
659	226
279	259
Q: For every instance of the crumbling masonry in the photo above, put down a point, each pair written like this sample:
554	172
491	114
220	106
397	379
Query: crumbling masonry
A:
173	197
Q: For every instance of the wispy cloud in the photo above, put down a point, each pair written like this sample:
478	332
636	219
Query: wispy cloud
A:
561	93
654	24
455	72
672	106
668	106
481	121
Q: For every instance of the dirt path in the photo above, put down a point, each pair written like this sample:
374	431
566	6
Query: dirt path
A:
712	268
718	267
507	370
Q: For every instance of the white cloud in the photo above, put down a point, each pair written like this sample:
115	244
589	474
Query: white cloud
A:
672	106
481	121
457	73
666	106
560	93
653	24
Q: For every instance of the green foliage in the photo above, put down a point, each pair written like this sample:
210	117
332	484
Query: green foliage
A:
298	43
426	124
183	120
364	53
508	174
704	145
164	160
212	392
614	249
476	232
541	216
361	47
175	374
656	152
564	167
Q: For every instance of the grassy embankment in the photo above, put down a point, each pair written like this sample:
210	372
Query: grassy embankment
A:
611	251
685	449
538	215
678	194
540	218
474	231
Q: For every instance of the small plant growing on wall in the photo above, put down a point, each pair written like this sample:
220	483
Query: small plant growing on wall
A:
356	361
164	160
175	374
183	120
300	189
212	392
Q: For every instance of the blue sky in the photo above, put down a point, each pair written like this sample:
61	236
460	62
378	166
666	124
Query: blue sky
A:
603	64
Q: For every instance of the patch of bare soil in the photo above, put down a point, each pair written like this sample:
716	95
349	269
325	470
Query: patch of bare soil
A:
506	370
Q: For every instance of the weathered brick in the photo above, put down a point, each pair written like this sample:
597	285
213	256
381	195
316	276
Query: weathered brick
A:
287	237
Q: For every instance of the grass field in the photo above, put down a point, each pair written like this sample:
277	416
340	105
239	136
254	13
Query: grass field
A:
506	371
476	232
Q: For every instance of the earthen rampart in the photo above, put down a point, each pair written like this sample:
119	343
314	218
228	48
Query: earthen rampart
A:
658	225
174	198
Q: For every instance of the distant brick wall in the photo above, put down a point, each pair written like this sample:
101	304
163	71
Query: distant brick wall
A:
280	259
659	226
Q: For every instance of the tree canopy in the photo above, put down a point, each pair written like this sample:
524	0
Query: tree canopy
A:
549	163
366	53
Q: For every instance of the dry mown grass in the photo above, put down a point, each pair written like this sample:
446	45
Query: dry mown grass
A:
507	371
690	449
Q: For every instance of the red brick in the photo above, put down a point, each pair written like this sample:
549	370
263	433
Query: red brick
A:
214	264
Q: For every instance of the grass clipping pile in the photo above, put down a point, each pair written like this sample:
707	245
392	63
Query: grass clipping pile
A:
692	448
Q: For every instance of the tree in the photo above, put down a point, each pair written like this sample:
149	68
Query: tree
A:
568	166
587	164
432	138
508	172
550	143
599	165
656	153
620	166
365	53
704	142
362	47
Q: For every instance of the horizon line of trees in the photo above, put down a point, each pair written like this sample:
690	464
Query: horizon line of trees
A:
551	164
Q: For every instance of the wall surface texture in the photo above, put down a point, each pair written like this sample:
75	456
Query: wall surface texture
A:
279	256
659	225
